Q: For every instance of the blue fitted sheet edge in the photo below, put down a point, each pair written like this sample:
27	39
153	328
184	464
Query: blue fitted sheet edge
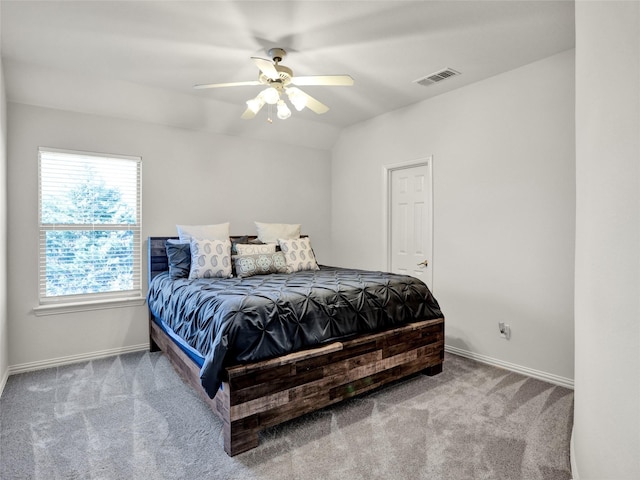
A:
191	352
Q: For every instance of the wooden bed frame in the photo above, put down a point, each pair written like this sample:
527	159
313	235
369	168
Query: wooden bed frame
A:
266	393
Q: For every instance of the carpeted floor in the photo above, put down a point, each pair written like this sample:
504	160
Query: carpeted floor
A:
131	417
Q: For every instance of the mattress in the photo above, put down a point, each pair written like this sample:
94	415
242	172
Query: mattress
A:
242	320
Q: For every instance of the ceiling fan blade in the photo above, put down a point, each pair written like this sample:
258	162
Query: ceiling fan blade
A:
266	67
230	84
313	104
248	114
253	107
330	80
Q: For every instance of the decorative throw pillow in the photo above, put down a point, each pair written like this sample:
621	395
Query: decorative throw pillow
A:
254	249
210	259
298	254
271	232
235	241
179	256
260	264
209	232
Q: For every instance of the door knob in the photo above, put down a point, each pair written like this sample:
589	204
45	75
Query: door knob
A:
424	264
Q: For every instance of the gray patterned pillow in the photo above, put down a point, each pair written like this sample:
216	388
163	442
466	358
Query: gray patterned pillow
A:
259	264
210	259
254	249
298	254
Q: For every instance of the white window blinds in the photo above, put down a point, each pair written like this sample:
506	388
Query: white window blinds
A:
90	226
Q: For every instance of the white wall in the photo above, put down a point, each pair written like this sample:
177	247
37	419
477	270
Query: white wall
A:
607	301
504	200
188	177
4	335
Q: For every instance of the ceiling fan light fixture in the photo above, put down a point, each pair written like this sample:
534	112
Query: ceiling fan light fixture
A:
283	111
277	79
298	100
270	95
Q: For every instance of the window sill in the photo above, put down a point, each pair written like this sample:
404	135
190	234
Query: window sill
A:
61	308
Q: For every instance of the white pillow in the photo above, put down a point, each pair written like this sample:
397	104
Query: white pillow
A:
271	232
210	259
255	249
298	254
210	232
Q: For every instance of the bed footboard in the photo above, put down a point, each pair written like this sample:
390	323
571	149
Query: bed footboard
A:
262	394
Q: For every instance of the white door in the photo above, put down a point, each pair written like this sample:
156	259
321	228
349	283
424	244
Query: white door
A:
411	221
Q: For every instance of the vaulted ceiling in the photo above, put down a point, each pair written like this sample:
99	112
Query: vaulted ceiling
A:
172	45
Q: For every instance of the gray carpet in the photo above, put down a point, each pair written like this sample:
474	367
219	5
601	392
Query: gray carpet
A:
131	417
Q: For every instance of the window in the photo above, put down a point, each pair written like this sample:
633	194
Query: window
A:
90	227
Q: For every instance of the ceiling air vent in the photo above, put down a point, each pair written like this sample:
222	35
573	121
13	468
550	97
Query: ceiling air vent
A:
437	77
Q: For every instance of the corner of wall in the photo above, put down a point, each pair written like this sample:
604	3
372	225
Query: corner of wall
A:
572	459
4	340
607	222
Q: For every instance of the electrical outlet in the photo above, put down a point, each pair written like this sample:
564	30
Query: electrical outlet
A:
505	330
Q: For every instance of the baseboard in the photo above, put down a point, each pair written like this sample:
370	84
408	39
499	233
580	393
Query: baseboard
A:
572	457
83	357
56	362
529	372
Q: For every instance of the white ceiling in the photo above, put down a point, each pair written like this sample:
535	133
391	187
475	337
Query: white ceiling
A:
383	45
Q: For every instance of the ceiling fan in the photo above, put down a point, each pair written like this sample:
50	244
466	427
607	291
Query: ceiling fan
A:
280	81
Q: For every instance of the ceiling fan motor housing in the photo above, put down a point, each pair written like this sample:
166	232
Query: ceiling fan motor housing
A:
285	74
277	54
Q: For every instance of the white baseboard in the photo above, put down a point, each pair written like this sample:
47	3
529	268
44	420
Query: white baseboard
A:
572	457
83	357
529	372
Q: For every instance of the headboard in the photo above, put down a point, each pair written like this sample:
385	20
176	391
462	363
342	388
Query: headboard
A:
157	261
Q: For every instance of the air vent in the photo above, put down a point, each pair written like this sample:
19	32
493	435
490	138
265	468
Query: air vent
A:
437	77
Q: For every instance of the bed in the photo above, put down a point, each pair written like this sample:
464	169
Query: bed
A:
269	348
